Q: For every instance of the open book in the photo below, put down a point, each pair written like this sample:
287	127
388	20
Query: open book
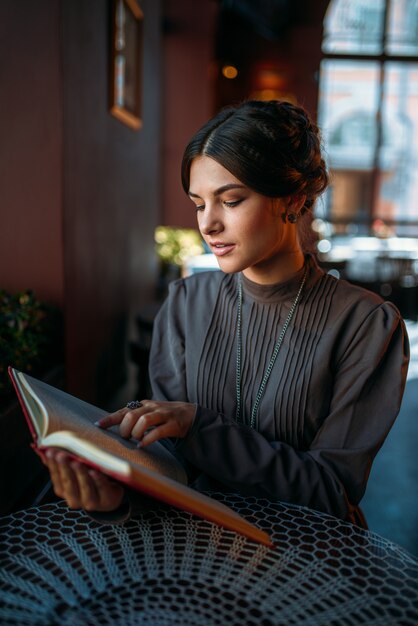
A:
57	419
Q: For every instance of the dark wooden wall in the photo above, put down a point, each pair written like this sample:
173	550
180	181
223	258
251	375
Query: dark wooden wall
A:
188	55
30	148
111	196
80	191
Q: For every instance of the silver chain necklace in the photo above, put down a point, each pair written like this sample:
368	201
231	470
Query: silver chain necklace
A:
266	376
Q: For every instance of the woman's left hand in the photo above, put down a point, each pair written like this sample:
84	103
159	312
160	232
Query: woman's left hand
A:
81	486
153	420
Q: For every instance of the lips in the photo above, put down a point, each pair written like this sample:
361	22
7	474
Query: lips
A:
220	249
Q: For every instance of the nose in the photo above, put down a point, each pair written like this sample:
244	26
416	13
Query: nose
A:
209	221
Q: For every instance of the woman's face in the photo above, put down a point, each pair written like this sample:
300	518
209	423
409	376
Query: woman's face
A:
243	228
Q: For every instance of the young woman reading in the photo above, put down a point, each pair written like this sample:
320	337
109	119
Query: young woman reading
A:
270	378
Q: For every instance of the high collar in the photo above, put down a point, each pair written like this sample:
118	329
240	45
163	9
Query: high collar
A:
279	292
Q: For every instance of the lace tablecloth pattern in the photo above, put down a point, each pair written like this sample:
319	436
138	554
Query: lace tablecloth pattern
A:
168	568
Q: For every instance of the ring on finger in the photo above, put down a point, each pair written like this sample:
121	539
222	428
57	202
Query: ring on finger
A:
134	404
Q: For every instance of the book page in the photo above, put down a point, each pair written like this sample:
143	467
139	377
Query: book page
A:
36	414
68	413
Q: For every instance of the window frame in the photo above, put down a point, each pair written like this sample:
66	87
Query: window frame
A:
382	59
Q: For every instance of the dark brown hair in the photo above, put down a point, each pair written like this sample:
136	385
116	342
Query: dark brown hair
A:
272	147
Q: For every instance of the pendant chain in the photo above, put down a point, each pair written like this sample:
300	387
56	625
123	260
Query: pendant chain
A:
268	371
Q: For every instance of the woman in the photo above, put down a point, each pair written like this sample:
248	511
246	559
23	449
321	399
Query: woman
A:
270	377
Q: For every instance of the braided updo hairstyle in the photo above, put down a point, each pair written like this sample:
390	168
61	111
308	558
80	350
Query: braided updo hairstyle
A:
271	147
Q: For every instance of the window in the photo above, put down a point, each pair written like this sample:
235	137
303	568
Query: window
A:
368	112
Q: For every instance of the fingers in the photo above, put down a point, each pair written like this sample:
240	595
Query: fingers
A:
149	420
112	419
127	419
109	492
82	487
50	462
153	420
168	429
63	478
130	422
168	419
89	497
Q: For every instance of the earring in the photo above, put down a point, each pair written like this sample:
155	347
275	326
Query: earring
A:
292	217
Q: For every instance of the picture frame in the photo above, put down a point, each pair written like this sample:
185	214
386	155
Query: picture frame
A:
126	63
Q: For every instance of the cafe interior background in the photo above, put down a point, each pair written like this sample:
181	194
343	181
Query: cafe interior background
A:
98	100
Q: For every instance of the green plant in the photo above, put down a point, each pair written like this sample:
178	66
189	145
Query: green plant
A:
175	245
30	335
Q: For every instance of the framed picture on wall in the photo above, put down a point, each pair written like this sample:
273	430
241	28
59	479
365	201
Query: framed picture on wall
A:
126	62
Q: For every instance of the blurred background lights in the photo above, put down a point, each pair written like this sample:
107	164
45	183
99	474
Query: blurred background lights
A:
334	272
321	227
324	246
229	71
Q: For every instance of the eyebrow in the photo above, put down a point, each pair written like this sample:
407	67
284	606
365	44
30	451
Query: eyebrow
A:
220	190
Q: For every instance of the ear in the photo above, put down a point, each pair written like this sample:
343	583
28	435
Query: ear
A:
293	206
295	203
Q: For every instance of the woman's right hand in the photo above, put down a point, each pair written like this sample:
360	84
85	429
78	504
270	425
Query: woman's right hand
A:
81	486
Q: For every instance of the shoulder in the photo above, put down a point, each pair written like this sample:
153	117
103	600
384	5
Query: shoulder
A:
350	298
360	319
351	293
192	300
206	283
359	324
342	299
339	289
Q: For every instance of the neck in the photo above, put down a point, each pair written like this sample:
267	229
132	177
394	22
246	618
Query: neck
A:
280	272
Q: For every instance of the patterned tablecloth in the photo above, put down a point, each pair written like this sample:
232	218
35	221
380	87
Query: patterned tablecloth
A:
168	568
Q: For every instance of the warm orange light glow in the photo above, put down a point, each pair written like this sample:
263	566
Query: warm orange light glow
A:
270	78
229	71
273	94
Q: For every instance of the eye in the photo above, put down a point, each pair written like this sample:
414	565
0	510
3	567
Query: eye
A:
232	203
198	207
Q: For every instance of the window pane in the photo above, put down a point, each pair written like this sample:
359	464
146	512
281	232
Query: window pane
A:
354	26
403	27
398	158
348	102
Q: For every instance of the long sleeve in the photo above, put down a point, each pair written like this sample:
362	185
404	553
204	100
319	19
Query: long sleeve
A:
361	358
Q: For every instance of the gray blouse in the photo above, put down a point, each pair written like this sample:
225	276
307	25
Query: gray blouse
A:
331	399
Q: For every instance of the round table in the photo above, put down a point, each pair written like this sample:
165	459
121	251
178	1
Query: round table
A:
167	567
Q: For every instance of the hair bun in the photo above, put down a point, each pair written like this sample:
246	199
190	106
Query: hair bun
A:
273	147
